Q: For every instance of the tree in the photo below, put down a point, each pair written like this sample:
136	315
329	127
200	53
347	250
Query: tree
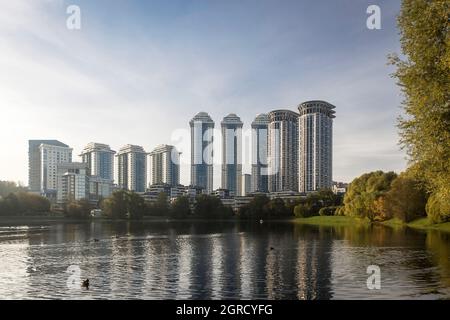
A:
207	206
256	209
277	209
115	207
161	206
301	211
7	187
31	203
124	204
424	79
328	211
180	208
406	199
78	209
363	195
135	206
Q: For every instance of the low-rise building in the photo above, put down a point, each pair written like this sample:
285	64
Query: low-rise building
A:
339	187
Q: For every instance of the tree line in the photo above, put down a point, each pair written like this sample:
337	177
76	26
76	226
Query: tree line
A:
15	201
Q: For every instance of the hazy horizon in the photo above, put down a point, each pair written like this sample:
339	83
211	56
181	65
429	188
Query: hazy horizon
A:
137	72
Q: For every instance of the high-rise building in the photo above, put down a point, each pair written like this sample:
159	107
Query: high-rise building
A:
202	127
259	153
315	145
51	155
164	165
132	168
283	151
62	153
232	153
100	160
99	188
246	184
72	182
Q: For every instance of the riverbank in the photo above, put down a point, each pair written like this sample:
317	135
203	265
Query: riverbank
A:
421	224
331	221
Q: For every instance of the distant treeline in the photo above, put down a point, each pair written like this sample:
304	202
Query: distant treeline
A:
15	201
129	205
376	196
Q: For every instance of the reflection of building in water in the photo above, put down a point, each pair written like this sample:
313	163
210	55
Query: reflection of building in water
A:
298	272
231	266
314	267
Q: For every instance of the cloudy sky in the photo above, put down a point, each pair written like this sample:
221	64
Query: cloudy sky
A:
138	71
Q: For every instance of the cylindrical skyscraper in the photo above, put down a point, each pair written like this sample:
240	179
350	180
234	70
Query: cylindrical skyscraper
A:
283	151
232	153
202	127
315	145
259	153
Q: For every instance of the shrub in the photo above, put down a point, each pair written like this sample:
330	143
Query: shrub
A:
328	211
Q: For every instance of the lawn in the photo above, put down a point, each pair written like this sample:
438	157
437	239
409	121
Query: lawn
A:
330	220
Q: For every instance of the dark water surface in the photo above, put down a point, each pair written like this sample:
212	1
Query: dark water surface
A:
220	260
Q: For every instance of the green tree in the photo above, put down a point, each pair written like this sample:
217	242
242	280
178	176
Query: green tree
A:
180	208
406	199
124	204
423	76
301	211
78	209
328	211
364	192
7	187
136	206
32	204
161	206
256	209
277	209
210	207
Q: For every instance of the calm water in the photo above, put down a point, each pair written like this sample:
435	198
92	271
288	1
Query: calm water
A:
225	260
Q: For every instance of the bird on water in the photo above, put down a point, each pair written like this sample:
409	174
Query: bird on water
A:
85	284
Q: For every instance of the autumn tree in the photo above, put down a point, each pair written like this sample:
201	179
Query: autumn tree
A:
423	75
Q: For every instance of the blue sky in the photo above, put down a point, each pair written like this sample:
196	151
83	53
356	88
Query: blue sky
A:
139	70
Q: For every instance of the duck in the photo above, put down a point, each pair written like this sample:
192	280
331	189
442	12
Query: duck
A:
85	284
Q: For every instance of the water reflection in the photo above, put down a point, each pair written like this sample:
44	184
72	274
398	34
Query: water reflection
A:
222	260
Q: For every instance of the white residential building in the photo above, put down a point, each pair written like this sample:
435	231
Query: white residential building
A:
283	151
132	168
315	145
72	182
259	153
100	160
232	153
50	157
164	165
202	127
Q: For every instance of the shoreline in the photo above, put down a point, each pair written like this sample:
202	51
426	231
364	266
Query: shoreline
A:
420	224
327	221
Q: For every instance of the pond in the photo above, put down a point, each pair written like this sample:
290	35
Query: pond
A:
220	260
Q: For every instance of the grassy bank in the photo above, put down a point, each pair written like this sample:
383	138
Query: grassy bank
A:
423	224
331	221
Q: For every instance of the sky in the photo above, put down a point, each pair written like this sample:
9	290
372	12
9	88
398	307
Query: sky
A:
138	71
